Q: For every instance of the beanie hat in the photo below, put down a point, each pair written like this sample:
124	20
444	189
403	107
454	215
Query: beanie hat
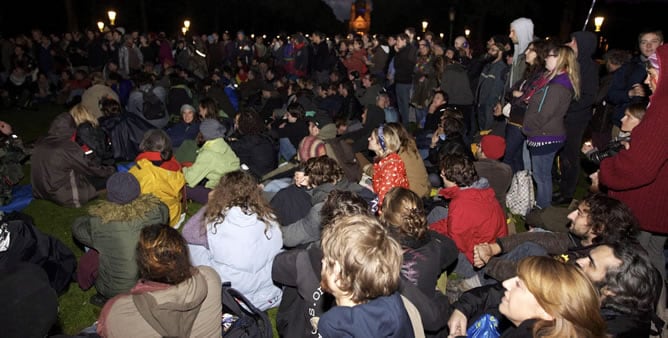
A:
187	107
493	146
211	129
122	188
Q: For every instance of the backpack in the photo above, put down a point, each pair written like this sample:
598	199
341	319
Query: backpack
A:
153	108
241	318
342	152
520	198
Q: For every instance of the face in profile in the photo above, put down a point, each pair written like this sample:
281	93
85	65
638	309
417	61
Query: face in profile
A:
518	303
597	263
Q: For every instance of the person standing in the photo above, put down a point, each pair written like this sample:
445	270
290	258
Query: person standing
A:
490	86
404	62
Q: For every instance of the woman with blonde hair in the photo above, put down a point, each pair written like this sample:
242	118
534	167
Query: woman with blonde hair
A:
92	139
241	237
547	298
544	119
389	170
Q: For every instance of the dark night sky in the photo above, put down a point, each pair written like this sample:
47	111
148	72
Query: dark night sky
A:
624	18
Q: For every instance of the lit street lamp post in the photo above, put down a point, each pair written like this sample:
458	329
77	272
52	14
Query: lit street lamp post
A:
112	17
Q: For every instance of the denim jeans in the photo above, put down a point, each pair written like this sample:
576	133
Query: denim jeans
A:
403	91
541	162
286	149
514	145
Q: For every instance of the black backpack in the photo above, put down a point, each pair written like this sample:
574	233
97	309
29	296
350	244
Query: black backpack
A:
241	318
153	108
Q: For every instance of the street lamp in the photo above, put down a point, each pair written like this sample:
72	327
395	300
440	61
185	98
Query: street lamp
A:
441	35
424	26
598	22
451	16
100	26
184	30
186	24
112	17
467	32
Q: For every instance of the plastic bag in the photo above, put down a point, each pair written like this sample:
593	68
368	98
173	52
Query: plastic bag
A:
485	327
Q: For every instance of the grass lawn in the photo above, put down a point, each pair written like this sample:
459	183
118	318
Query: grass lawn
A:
75	313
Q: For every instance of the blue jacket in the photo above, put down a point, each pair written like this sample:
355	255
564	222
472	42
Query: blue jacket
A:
381	317
182	131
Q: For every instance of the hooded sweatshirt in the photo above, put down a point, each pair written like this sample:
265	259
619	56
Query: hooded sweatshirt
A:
639	176
524	31
189	309
580	111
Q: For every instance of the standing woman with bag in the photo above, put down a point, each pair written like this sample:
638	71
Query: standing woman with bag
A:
544	119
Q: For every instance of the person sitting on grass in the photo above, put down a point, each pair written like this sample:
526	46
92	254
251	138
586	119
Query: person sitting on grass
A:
160	174
111	231
240	238
173	298
361	268
60	171
214	159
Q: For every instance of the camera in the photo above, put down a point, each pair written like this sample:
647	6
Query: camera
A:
611	150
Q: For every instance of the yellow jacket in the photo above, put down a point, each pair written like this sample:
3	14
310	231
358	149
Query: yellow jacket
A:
165	184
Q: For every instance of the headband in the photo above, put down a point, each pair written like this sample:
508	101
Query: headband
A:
381	137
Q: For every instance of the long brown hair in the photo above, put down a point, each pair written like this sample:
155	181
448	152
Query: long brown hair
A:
238	189
566	294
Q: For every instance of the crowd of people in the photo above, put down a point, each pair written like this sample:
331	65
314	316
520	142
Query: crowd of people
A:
342	179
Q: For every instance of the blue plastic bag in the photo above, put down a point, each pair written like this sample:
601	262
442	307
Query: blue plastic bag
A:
485	327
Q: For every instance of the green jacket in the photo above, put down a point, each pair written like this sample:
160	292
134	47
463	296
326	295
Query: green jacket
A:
214	160
113	230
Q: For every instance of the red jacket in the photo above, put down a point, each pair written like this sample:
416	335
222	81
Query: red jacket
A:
388	173
639	176
474	216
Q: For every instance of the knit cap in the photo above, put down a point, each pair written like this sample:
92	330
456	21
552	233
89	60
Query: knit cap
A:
211	129
122	188
493	146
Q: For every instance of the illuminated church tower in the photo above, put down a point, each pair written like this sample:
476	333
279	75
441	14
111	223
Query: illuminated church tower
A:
360	17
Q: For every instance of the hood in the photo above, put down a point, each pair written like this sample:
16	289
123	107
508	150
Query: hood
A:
524	30
173	310
133	211
586	44
237	217
62	126
327	132
662	60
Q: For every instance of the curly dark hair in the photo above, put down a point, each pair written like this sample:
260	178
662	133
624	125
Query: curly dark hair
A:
635	284
162	255
610	219
340	203
250	122
322	170
459	169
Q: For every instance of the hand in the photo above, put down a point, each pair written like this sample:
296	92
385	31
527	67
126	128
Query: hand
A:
498	110
481	254
457	324
5	128
435	137
517	93
637	90
626	145
301	180
594	182
586	147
